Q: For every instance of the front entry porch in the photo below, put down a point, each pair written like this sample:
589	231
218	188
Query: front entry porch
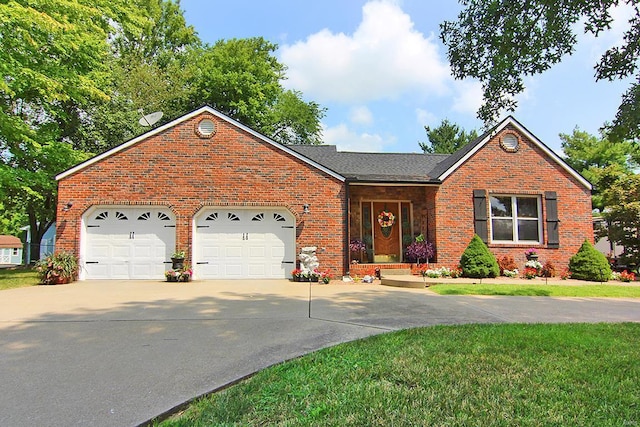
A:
384	221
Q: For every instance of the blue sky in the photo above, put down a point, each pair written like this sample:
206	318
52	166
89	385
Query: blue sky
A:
381	69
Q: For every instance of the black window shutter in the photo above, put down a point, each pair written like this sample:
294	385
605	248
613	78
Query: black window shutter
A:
553	223
480	214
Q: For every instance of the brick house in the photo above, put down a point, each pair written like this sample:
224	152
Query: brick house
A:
242	205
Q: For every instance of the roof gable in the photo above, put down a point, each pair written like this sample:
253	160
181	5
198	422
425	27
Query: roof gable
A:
179	120
453	162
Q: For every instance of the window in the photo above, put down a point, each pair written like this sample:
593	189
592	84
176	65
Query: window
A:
15	251
515	219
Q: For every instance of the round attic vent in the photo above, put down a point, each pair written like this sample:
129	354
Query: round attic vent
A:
206	128
509	143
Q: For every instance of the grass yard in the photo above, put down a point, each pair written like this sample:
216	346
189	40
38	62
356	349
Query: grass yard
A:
472	375
611	291
18	277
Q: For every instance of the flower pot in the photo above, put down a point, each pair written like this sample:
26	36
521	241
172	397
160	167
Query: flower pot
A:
178	263
172	279
532	257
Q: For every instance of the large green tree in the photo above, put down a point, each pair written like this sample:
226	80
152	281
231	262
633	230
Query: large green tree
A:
446	138
597	159
622	213
243	79
500	42
52	64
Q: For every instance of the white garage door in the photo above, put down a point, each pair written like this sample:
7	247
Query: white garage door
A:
244	243
128	243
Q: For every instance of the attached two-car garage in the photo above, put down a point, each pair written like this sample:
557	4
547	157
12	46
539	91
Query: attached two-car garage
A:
228	243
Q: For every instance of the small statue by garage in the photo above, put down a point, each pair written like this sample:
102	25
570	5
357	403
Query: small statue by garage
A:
308	259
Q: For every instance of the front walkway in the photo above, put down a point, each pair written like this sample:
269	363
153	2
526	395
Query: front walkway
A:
117	353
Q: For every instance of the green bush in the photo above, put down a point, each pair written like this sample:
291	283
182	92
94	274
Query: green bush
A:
589	264
477	260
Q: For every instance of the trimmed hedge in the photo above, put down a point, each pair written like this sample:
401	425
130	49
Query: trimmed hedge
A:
589	264
477	261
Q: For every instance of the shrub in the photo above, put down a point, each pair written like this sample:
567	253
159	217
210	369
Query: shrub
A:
61	267
506	262
548	270
589	264
477	261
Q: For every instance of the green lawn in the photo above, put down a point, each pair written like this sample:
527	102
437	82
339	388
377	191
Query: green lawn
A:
18	277
613	291
472	375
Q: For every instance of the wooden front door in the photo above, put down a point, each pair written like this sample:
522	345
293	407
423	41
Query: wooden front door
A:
386	240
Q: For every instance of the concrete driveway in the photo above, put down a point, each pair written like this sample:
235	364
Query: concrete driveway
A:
116	353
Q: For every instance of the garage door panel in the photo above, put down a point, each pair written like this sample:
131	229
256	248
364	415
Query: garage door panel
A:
251	243
233	271
128	243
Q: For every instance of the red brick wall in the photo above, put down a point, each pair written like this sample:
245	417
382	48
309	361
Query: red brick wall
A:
529	171
182	171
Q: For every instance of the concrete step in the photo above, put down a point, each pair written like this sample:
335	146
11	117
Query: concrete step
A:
395	272
402	281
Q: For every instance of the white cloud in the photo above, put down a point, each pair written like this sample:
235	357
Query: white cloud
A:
425	118
468	97
383	59
596	46
361	115
347	140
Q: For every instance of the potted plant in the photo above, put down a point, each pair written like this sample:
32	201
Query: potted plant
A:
178	259
172	275
185	273
419	250
531	254
296	275
58	268
356	247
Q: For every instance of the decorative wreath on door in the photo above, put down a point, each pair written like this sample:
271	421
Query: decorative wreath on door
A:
386	219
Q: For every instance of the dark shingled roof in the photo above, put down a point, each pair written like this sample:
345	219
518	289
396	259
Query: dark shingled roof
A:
375	167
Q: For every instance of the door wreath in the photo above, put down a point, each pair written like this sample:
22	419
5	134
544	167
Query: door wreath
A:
386	220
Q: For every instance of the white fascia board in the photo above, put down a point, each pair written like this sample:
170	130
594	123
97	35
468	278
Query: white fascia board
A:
510	120
205	109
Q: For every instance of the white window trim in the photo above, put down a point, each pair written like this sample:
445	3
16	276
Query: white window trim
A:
514	210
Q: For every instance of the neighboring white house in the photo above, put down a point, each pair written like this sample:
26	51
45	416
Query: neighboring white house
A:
10	250
47	244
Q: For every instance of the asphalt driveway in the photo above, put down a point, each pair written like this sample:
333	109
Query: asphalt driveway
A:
116	353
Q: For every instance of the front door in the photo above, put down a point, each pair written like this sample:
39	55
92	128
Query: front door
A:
386	232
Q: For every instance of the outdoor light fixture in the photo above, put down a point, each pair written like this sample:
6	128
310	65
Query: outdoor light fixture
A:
305	208
67	206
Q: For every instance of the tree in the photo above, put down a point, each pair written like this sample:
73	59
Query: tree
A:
589	264
52	64
622	212
242	79
500	42
446	138
597	159
477	260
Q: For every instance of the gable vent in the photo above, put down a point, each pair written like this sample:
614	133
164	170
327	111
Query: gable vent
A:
206	128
